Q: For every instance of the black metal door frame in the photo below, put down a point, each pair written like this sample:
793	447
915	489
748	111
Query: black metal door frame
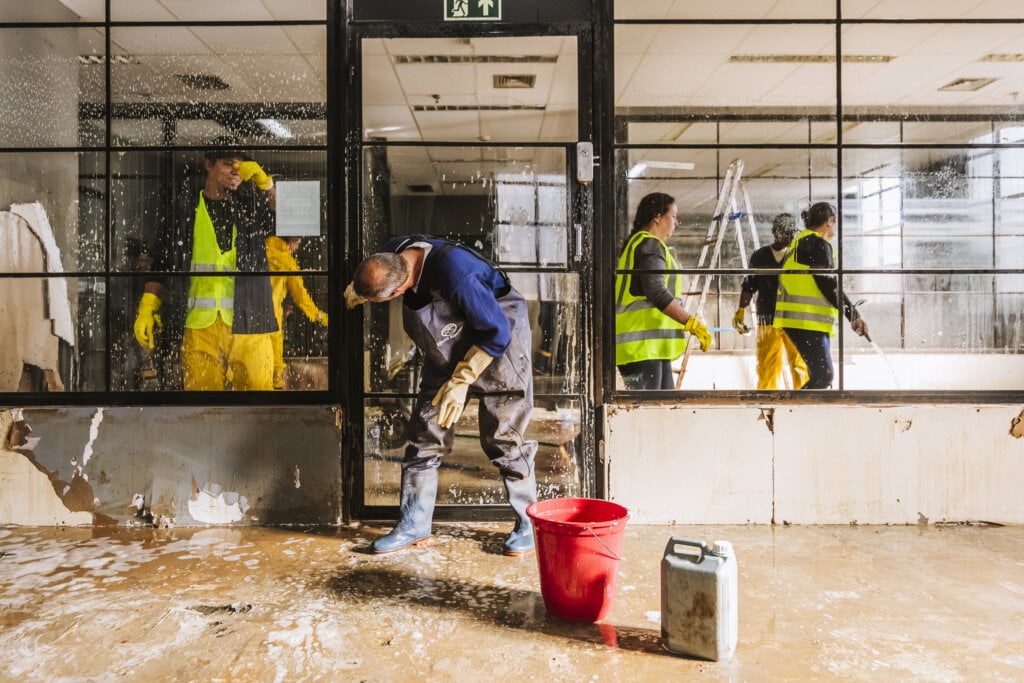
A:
360	19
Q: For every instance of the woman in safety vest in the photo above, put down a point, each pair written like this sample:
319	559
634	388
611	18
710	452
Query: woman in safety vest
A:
650	321
807	306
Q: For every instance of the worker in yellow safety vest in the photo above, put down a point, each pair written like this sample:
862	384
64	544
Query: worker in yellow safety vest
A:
807	306
650	321
229	320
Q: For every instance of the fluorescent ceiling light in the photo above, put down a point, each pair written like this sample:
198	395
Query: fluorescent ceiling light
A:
638	169
275	128
967	84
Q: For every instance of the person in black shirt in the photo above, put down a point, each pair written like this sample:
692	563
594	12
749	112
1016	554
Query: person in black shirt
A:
807	303
772	343
229	320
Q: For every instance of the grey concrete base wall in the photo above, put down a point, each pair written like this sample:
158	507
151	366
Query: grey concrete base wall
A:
172	466
816	464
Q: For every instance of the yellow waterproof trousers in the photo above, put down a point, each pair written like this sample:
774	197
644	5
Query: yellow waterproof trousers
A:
277	341
771	342
213	356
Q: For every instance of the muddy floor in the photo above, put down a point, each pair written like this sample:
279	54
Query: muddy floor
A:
238	604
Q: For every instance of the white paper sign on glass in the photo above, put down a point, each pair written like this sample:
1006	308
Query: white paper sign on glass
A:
298	208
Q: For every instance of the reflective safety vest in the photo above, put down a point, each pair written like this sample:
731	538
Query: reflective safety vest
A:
210	296
800	304
642	332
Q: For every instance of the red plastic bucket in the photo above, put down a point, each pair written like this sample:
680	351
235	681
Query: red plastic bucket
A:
579	543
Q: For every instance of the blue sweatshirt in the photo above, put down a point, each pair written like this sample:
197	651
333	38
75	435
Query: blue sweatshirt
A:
466	281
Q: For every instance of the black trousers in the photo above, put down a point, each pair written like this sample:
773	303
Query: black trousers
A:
816	350
648	374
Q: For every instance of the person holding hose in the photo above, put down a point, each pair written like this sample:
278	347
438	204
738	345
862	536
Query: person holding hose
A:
650	321
281	257
229	319
472	328
807	305
771	341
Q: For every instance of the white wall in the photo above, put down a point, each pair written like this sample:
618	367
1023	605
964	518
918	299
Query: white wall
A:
834	464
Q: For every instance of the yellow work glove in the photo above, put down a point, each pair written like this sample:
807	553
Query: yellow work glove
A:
739	321
147	322
250	170
351	298
697	329
321	318
451	399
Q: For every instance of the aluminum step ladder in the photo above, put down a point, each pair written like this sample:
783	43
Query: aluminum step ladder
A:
732	185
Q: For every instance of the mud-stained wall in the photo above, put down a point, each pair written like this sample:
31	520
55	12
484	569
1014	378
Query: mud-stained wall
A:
816	464
170	466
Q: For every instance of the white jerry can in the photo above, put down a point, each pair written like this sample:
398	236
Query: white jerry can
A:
699	615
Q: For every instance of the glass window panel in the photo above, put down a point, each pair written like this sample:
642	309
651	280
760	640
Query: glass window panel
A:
48	76
51	10
762	82
393	365
484	89
152	192
509	203
709	9
222	10
775	180
958	72
937	332
59	204
466	477
53	330
869	132
667	132
206	85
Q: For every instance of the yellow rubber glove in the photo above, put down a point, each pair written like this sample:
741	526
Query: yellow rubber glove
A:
351	298
321	318
250	170
698	330
147	322
451	399
739	321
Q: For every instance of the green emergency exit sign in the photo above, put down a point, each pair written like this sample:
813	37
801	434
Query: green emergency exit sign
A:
472	10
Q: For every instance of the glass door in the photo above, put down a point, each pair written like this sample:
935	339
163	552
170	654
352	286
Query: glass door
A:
475	140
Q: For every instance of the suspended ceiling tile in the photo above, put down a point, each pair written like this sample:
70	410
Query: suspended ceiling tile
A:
380	84
391	122
510	126
220	10
560	123
642	9
650	87
139	10
809	85
913	9
263	41
737	85
444	101
884	39
428	46
309	40
297	10
763	132
564	83
372	46
86	10
970	40
711	9
995	9
154	40
796	39
285	79
698	40
894	81
633	39
442	156
448	125
442	79
625	68
802	9
518	46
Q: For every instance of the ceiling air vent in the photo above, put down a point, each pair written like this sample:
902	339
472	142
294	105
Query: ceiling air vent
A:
202	81
1016	57
967	84
420	188
515	80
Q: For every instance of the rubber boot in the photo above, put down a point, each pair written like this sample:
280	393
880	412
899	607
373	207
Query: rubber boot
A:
521	493
419	490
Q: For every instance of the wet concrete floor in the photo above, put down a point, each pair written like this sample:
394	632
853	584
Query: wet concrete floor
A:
238	604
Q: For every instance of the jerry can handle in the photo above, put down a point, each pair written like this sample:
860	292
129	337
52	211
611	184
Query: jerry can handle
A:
674	541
